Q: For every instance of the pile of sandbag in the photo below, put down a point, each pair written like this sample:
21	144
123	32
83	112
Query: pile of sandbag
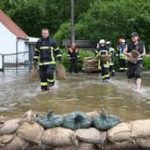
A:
135	132
73	131
90	65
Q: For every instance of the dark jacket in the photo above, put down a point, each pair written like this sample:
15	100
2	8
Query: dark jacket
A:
46	51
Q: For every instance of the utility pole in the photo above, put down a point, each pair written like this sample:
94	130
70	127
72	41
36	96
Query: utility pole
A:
72	22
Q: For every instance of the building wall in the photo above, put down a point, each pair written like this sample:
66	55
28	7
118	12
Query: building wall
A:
8	42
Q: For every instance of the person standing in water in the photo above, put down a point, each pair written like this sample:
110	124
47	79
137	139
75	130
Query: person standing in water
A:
112	54
122	57
73	56
135	65
46	54
102	54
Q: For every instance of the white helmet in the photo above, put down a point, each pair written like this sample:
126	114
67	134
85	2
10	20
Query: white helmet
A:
102	41
108	43
123	41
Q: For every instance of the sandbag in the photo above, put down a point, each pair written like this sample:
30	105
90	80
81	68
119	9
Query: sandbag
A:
28	116
31	132
121	146
60	71
4	139
120	133
104	122
15	144
105	58
140	128
9	127
76	120
144	142
34	74
65	148
50	120
91	135
82	146
58	137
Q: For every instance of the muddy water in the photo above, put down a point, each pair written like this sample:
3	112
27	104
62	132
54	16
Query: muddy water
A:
78	92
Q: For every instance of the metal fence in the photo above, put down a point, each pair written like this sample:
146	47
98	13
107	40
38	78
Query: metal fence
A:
17	61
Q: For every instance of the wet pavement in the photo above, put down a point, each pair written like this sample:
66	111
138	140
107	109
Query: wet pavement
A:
78	92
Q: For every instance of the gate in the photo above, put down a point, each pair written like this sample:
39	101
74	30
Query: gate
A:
17	61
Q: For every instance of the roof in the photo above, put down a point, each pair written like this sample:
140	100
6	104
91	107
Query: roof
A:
12	26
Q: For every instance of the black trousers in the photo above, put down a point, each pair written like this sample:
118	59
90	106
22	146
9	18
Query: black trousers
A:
73	65
135	70
105	71
47	76
122	64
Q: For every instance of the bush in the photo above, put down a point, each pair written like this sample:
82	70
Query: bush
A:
82	52
147	63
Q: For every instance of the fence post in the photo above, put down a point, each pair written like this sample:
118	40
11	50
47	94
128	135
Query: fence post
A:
3	65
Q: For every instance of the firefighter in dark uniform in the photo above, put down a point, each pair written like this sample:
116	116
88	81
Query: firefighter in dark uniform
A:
46	54
112	54
135	67
73	56
122	57
103	65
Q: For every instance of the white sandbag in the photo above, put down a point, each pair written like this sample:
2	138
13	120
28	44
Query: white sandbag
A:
82	146
121	146
144	142
31	132
85	146
28	116
140	128
16	144
9	127
4	139
120	133
88	133
58	137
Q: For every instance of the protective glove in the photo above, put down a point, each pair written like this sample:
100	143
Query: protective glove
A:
59	59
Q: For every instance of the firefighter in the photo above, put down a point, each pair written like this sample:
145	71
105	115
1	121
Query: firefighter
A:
112	54
73	56
102	55
46	54
135	68
122	57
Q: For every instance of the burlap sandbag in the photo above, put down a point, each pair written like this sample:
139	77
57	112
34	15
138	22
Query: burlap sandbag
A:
121	146
60	71
31	132
9	127
28	116
91	136
82	146
120	133
144	142
58	137
4	139
140	128
12	142
34	74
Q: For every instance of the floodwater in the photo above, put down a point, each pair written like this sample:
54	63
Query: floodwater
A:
78	92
